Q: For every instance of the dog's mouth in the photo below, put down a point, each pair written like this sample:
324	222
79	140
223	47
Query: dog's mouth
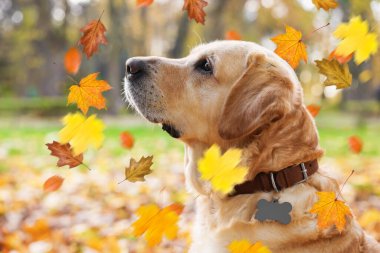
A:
171	130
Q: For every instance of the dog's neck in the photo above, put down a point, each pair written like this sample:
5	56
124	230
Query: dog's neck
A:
291	140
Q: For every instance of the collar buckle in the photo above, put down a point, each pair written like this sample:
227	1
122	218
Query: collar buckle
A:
273	182
304	173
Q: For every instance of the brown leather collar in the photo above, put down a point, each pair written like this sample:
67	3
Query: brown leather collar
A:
279	180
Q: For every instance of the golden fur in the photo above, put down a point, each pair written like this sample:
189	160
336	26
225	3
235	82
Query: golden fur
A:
253	101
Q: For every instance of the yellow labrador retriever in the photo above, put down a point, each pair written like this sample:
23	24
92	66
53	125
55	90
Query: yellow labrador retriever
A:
239	94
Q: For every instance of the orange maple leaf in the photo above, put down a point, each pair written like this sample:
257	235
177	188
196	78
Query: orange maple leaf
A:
143	3
53	183
330	211
313	109
232	35
93	35
156	222
195	10
72	61
355	144
65	154
341	59
89	93
290	46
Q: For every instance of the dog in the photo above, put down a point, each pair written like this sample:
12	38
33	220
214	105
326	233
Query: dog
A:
239	94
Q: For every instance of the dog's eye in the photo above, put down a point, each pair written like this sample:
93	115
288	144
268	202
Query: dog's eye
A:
204	66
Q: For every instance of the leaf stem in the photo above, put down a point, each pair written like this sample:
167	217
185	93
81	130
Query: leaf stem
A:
315	30
341	188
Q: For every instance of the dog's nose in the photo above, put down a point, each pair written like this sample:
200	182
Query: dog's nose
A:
135	66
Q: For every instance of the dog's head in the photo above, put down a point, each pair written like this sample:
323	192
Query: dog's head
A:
222	91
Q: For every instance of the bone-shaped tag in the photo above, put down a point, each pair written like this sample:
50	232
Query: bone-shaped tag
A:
273	210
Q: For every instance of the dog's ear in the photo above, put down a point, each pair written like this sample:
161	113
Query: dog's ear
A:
262	95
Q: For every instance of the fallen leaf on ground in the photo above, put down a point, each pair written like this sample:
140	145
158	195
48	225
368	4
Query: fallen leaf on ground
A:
223	171
82	132
93	36
53	183
65	154
244	246
137	170
355	38
72	61
325	4
330	211
156	222
89	93
195	10
355	144
336	73
232	35
143	3
126	140
290	46
313	109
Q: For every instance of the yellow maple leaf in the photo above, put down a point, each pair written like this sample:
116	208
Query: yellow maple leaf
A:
89	93
325	4
156	222
290	46
222	170
356	38
244	246
82	132
337	74
330	211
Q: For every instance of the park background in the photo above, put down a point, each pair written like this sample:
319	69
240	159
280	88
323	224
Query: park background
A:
91	212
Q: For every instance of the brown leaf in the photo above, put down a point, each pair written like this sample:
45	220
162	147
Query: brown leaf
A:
73	59
143	3
337	74
126	140
53	183
93	35
137	170
232	35
65	154
195	10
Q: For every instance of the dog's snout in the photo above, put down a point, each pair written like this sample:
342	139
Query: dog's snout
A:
135	67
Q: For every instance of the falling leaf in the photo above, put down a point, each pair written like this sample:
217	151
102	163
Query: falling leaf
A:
89	93
195	10
53	183
65	154
137	170
156	222
290	46
232	35
330	211
336	73
72	61
222	170
126	140
143	3
355	144
339	58
313	109
82	132
240	246
355	38
325	4
93	35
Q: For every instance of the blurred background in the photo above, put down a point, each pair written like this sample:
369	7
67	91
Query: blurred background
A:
92	212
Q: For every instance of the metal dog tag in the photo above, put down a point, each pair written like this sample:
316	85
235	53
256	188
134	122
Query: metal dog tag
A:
273	210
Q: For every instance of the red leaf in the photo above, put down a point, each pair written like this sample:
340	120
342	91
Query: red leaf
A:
126	140
355	144
232	35
65	154
195	10
53	183
339	58
73	59
143	3
313	109
93	35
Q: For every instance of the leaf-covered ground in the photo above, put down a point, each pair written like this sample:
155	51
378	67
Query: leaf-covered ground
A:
91	212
